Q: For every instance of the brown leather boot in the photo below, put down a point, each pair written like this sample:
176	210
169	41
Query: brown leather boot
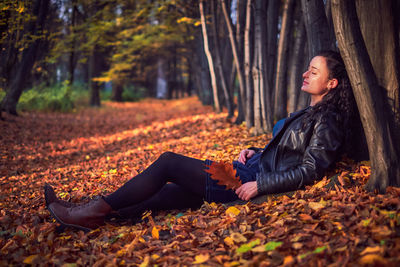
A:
85	217
50	197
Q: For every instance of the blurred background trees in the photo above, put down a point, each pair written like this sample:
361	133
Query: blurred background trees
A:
243	55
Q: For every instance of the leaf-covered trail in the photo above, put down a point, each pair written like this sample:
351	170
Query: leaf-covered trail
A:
94	151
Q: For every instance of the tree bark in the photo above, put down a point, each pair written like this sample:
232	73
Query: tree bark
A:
72	55
117	90
271	44
201	72
280	106
94	87
249	104
262	119
295	66
209	57
29	55
256	70
266	93
240	21
219	67
379	32
257	87
236	56
318	33
304	98
370	98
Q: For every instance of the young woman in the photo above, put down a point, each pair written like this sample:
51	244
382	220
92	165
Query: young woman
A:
305	145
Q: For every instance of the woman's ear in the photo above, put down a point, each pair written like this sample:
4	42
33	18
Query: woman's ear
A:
332	83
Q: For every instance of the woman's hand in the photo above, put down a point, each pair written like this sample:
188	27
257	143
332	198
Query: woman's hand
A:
245	155
247	190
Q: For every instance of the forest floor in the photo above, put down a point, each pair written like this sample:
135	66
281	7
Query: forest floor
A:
95	150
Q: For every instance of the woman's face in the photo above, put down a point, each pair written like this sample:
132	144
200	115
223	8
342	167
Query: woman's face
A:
316	80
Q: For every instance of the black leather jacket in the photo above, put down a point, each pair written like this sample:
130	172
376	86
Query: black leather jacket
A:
297	157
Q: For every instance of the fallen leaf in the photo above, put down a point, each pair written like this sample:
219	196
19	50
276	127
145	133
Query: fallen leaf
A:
319	249
225	174
373	250
233	211
305	217
228	241
272	245
30	259
238	238
145	262
198	259
288	260
316	205
297	245
154	233
373	259
247	247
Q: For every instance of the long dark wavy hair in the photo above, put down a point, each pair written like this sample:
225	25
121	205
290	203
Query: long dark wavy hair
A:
339	100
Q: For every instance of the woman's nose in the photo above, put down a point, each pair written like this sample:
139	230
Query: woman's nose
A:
305	74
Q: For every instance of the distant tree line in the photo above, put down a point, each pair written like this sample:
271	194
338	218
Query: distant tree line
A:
243	55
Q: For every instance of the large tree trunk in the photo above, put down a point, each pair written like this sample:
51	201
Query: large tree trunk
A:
219	67
296	65
271	44
249	114
209	57
116	92
201	72
376	19
266	93
318	33
262	120
240	22
29	55
371	99
94	71
72	55
304	98
280	106
236	55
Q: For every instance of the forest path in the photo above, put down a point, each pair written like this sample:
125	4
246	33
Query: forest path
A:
95	150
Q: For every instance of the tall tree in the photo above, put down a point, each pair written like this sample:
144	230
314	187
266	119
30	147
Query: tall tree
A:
72	54
236	55
280	106
209	56
240	22
296	62
22	74
218	60
377	114
262	96
248	45
271	44
319	35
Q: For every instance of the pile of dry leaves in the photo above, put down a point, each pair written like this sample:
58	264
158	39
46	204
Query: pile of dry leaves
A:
94	151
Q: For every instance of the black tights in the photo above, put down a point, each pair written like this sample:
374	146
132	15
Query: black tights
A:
150	189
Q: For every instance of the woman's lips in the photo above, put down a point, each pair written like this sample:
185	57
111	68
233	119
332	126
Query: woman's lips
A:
305	83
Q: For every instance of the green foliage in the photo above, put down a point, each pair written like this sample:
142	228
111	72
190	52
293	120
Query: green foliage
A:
132	93
272	245
61	97
247	247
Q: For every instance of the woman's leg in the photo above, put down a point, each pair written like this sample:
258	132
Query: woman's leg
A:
171	196
169	167
186	172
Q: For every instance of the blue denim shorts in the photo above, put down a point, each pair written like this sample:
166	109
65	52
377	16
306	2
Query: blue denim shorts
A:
245	172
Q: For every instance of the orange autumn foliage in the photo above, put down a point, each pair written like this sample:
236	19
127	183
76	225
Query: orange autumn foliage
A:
225	174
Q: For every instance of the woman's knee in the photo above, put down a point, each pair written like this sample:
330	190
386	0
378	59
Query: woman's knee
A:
168	156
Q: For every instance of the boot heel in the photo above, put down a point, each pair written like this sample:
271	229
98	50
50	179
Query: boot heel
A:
64	225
